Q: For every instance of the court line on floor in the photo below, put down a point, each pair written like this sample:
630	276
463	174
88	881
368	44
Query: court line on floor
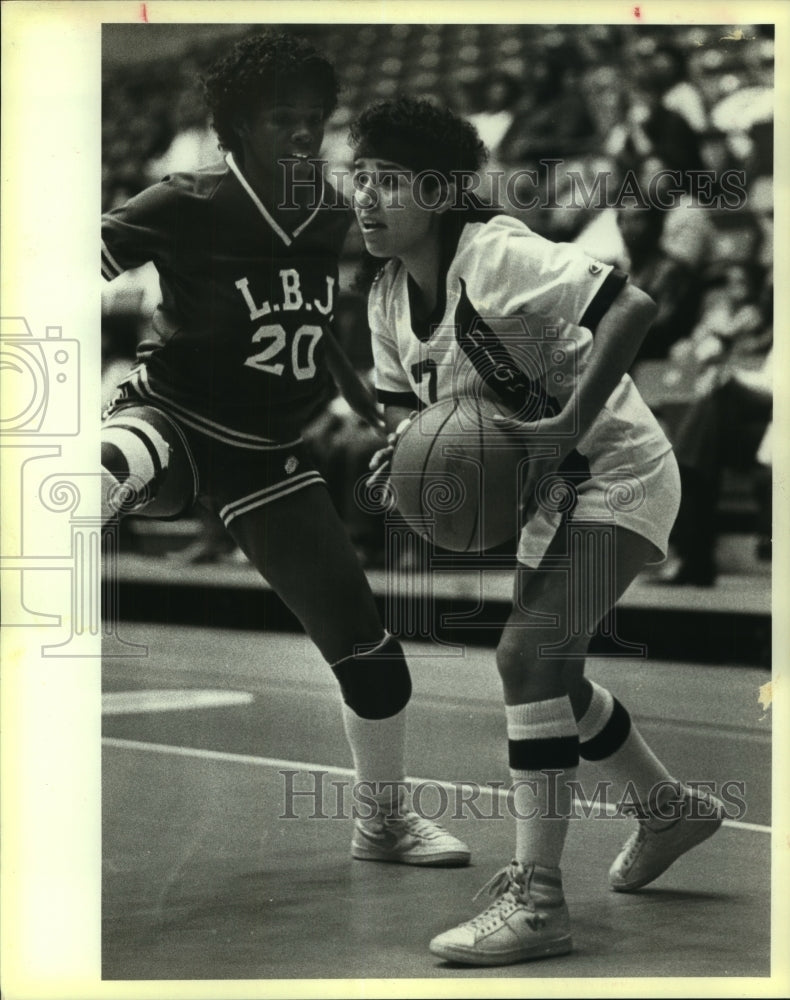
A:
169	700
346	772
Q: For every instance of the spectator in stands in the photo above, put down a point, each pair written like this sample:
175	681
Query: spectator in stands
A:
673	285
729	428
494	101
551	121
601	93
731	324
493	120
679	93
707	69
761	203
650	130
194	144
724	426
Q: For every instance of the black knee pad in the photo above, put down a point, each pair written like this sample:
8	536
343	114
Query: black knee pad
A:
610	738
377	684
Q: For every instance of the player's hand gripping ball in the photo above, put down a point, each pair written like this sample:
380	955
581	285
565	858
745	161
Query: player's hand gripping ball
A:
456	476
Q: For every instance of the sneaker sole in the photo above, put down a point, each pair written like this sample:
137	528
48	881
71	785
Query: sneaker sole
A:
550	949
450	859
705	830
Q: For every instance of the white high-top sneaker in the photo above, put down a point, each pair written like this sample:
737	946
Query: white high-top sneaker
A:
527	920
409	839
655	844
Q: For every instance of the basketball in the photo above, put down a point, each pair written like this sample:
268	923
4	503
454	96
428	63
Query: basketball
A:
456	475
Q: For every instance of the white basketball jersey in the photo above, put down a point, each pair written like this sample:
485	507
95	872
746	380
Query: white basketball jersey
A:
515	317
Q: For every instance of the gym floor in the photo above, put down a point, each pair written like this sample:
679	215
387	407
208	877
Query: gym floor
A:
205	877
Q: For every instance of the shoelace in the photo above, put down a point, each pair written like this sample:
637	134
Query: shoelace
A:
634	842
417	824
506	887
642	814
499	883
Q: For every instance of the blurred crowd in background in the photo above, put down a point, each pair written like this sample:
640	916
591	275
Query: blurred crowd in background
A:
605	101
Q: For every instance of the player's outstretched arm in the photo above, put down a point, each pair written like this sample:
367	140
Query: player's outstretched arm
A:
351	386
396	420
616	341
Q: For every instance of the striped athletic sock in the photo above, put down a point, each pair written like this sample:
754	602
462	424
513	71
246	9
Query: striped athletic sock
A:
542	737
608	736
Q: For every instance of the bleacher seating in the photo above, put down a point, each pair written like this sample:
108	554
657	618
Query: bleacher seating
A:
447	62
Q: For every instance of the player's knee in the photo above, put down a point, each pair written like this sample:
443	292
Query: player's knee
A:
575	681
147	466
520	659
375	684
136	455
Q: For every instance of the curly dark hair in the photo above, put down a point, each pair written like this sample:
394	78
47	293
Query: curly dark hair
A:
418	134
262	66
423	137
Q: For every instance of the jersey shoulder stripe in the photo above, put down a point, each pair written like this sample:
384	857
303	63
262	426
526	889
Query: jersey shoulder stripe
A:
599	305
510	270
110	268
141	229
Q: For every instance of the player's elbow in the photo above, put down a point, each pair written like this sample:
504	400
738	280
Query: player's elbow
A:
641	308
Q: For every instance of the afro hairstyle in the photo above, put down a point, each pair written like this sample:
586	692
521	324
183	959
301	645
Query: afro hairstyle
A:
262	67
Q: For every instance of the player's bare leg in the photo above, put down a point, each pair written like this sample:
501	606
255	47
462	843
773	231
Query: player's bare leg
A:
299	545
301	548
544	695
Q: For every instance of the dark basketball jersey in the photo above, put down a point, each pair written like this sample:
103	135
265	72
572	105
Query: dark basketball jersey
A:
239	350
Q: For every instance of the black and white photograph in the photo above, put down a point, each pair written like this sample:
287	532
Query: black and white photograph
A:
394	533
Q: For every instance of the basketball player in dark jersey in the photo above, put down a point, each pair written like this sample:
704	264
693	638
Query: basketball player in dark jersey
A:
247	255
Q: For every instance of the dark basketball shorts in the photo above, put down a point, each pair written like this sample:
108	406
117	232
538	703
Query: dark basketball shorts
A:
231	479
